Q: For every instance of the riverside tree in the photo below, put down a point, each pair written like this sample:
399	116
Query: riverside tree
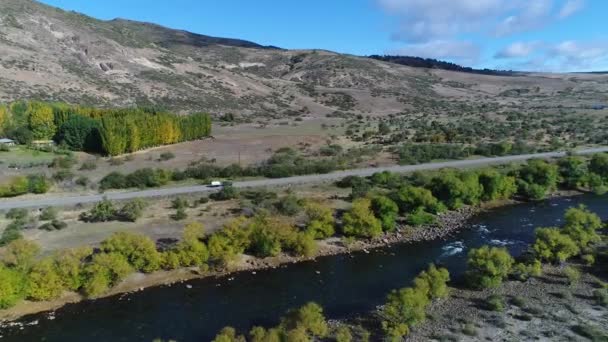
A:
488	266
360	221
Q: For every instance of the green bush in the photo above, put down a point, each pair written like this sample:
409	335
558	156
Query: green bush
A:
488	266
48	214
554	246
102	212
53	225
420	217
495	303
360	221
572	274
17	214
166	156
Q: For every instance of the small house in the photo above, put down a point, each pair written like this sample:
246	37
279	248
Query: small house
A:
7	142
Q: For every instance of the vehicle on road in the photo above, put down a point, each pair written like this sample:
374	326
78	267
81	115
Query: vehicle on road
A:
215	184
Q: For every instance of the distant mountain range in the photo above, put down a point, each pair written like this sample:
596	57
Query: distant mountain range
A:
56	55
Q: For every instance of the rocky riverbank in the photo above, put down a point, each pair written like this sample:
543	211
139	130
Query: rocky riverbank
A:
546	308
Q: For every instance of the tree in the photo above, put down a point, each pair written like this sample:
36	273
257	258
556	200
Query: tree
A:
496	186
11	287
104	271
320	220
228	334
573	170
69	265
433	281
20	254
139	250
102	212
599	164
581	226
309	318
191	250
41	120
386	210
44	282
360	221
538	177
403	309
80	133
488	267
553	245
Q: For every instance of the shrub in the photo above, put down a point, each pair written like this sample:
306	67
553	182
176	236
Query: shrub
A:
433	282
386	210
48	214
552	245
38	184
179	215
601	296
17	214
53	225
63	162
572	274
63	175
131	211
588	259
44	283
289	205
343	334
88	165
309	318
360	221
104	271
320	220
166	156
403	309
102	212
495	303
139	250
11	287
82	181
420	217
114	180
228	334
488	266
228	192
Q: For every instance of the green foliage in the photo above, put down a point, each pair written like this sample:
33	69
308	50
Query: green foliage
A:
139	250
599	165
80	133
523	272
554	246
420	217
17	214
228	334
179	215
104	271
403	309
166	156
41	120
20	254
433	282
48	214
537	178
411	198
423	153
38	184
488	266
573	171
456	188
53	225
360	221
581	226
320	220
69	266
572	274
131	211
600	296
386	210
343	334
309	318
495	303
11	287
102	212
44	282
227	192
496	186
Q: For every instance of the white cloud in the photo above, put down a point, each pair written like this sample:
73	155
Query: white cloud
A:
427	20
464	52
518	50
532	15
571	7
564	57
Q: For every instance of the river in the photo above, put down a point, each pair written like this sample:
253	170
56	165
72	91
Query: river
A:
343	285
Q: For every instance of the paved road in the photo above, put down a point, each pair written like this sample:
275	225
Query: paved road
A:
83	199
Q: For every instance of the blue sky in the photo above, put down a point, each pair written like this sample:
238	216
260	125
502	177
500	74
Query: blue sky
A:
547	35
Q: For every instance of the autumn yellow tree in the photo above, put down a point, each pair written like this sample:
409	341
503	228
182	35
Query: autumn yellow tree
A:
41	120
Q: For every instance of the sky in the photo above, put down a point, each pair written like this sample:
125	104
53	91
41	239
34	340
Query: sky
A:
529	35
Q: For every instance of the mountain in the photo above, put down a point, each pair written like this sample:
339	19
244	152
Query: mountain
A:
50	54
